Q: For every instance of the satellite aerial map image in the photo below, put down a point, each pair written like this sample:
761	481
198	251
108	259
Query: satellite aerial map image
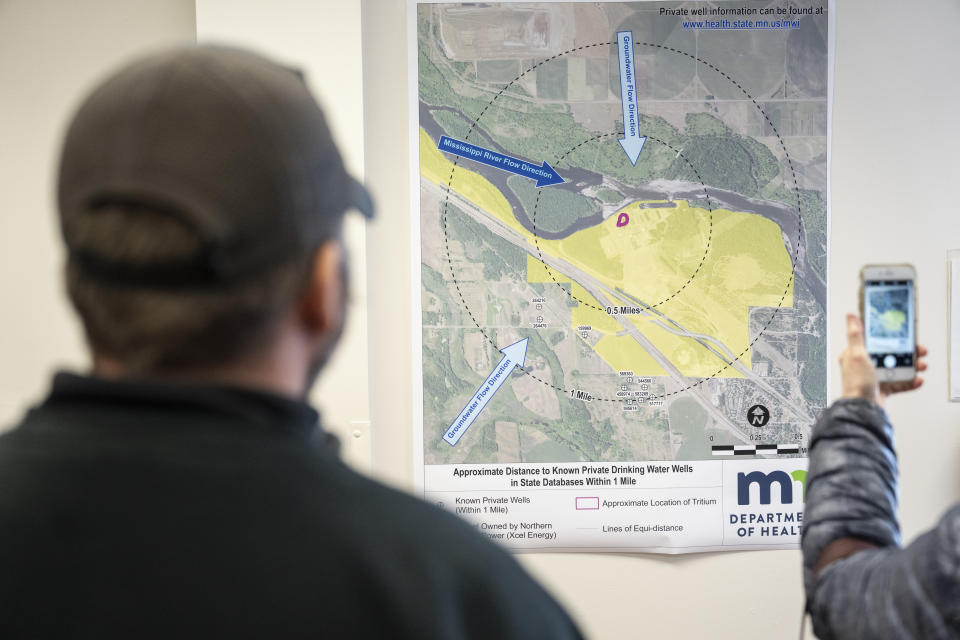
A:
624	204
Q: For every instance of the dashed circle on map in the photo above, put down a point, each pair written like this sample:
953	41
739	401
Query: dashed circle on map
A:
637	302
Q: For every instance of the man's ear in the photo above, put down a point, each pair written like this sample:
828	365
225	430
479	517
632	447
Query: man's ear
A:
324	299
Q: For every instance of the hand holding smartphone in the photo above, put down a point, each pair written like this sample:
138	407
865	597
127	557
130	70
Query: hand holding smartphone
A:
888	308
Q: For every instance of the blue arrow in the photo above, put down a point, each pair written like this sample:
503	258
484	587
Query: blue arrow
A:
544	174
632	142
513	356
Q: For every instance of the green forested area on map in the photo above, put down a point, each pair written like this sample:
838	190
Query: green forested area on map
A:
549	131
497	255
552	209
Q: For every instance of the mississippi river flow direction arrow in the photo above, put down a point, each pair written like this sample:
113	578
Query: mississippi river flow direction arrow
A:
513	356
544	174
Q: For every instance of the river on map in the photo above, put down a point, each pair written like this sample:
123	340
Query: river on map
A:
578	178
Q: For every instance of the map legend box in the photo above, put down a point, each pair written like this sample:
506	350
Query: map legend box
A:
591	503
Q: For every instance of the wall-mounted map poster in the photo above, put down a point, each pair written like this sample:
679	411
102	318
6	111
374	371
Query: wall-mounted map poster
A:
622	235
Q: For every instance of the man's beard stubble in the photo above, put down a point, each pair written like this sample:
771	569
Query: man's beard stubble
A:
322	356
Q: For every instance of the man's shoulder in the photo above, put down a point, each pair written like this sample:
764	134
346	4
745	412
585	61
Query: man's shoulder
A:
312	526
269	503
444	558
413	523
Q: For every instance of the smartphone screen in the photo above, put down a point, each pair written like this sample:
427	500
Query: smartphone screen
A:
888	322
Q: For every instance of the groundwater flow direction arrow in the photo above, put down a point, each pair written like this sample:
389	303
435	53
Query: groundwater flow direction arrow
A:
632	142
544	174
513	356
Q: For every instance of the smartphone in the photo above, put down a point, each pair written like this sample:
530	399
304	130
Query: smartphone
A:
888	306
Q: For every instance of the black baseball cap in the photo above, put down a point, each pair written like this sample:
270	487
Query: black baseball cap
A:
229	143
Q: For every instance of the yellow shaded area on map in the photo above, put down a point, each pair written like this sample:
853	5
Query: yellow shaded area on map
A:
688	355
435	167
703	271
621	352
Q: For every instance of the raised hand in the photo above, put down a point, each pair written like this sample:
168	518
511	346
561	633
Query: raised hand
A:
858	373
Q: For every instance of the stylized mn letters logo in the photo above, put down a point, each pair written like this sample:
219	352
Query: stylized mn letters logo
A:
766	480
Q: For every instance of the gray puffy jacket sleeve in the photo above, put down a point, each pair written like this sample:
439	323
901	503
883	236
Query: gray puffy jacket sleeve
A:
890	592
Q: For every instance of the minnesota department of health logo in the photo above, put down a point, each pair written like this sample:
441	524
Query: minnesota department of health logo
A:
765	482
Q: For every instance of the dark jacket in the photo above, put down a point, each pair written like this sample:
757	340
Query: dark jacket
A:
890	592
134	509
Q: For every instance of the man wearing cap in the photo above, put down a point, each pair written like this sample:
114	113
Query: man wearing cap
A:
184	488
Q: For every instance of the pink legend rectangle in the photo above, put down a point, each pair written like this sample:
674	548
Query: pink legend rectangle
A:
588	503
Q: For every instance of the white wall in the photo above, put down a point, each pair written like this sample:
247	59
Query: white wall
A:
896	133
51	52
323	39
894	164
